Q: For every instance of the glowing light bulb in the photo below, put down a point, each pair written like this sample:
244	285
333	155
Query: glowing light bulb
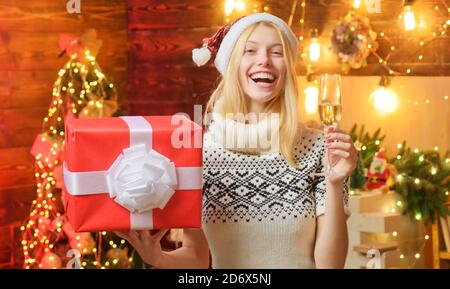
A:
314	49
418	216
229	6
433	170
356	4
311	99
409	19
384	100
240	5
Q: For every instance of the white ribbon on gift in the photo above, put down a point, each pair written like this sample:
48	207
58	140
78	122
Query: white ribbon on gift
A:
140	179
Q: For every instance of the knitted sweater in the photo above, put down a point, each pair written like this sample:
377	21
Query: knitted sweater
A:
260	212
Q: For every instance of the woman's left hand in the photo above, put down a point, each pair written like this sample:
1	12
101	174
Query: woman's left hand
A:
341	151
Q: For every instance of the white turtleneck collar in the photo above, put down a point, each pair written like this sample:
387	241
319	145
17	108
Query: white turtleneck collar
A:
259	136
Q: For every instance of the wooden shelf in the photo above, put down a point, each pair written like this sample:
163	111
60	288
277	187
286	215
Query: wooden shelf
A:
441	259
444	255
382	248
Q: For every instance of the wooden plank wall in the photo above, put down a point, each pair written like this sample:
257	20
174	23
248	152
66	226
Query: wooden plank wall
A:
29	33
162	34
163	78
324	15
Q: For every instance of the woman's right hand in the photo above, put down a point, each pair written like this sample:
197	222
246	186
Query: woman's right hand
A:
148	246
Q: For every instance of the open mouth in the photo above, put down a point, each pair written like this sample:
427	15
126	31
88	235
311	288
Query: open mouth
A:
263	78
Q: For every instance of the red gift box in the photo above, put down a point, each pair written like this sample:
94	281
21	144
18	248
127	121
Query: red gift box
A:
133	173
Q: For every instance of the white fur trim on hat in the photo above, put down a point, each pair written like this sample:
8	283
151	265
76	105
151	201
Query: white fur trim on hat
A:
230	39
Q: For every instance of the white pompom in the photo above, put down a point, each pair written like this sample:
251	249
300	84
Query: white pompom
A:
201	55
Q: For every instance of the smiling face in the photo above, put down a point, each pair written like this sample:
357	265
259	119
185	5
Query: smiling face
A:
262	69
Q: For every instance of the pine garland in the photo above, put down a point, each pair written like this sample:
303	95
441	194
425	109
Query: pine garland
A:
423	179
423	182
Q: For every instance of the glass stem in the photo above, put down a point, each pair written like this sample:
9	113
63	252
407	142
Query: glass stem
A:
329	170
329	167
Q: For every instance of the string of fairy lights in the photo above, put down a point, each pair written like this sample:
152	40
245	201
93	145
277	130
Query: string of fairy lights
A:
409	21
384	99
397	206
82	85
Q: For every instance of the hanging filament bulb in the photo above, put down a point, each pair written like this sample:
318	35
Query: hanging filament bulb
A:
409	19
384	99
314	46
230	5
311	98
356	4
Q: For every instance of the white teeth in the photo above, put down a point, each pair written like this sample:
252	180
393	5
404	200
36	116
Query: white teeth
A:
261	75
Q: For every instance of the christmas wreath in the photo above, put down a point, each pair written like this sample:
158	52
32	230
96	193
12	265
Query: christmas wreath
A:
352	41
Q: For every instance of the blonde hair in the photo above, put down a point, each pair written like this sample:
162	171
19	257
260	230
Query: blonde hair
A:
233	99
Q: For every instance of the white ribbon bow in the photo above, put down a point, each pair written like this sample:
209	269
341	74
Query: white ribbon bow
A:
141	179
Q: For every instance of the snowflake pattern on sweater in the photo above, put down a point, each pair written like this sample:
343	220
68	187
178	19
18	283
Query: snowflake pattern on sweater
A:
255	188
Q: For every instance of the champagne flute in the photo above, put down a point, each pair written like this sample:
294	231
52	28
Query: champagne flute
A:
330	109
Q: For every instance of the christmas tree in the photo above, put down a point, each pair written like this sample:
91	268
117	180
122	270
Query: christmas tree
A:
367	147
81	90
358	178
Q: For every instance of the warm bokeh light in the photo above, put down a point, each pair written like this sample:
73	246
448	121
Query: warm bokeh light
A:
314	49
409	19
356	4
311	99
384	100
230	5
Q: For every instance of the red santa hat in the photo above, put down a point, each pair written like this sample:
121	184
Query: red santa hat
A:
380	154
224	40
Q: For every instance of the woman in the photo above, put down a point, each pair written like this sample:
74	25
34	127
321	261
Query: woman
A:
263	205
